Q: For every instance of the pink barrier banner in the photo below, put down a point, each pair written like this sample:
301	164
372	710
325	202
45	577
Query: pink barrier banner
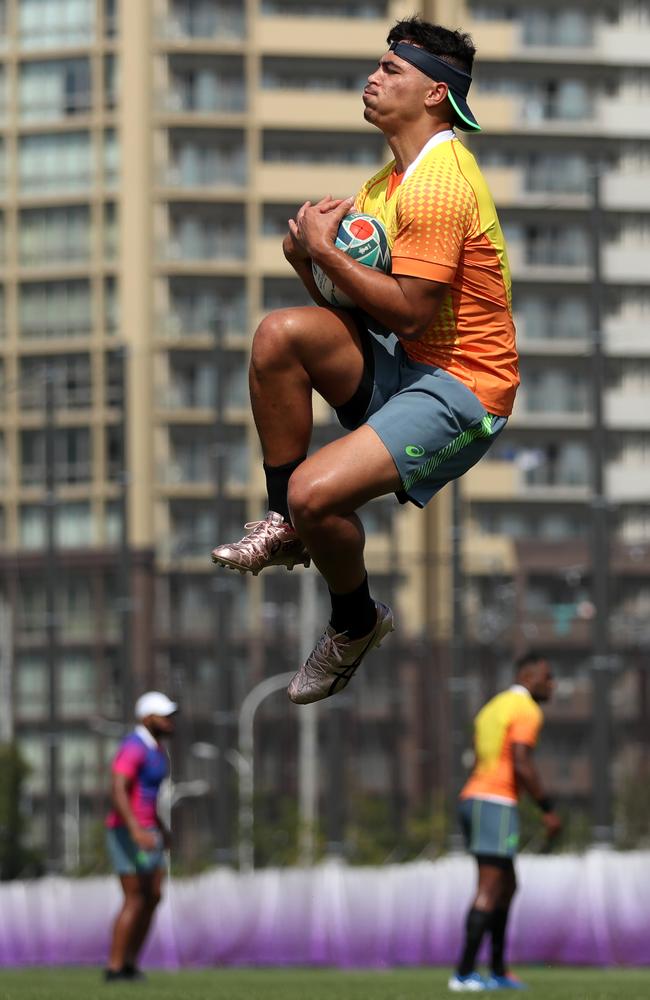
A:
592	909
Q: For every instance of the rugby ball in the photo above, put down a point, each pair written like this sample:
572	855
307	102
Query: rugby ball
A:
364	239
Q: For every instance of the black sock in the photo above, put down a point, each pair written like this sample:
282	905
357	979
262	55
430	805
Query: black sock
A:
478	922
277	485
354	613
498	931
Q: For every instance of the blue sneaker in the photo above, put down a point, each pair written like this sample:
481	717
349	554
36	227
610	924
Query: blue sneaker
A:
473	983
507	982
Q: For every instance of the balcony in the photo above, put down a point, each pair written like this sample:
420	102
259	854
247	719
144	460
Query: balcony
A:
66	473
626	408
627	262
628	481
332	110
626	190
296	182
627	338
346	36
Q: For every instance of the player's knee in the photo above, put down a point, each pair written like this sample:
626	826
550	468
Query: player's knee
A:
306	501
272	341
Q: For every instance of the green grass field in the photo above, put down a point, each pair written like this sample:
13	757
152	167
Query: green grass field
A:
318	984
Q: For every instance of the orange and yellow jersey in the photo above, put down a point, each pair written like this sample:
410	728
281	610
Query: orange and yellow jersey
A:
511	717
442	225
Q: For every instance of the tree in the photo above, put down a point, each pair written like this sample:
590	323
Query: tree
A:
15	857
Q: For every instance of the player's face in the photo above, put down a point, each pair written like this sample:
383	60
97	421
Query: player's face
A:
543	683
395	93
162	725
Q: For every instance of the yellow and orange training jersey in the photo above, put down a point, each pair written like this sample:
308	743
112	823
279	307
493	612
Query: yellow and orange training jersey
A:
442	225
511	717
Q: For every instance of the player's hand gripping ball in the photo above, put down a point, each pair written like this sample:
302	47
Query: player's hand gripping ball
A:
364	239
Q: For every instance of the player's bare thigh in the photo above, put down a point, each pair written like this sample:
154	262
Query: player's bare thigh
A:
342	476
324	342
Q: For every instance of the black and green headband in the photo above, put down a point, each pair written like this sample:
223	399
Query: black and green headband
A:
438	69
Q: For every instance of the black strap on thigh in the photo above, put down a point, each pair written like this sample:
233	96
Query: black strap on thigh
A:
351	414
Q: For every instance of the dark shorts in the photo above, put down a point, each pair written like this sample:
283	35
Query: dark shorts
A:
129	859
491	829
434	427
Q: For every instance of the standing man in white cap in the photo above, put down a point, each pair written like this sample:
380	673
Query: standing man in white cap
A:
136	837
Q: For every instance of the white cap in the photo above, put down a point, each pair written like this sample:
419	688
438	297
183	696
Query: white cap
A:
154	703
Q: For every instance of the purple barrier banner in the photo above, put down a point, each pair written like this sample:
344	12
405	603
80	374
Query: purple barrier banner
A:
592	909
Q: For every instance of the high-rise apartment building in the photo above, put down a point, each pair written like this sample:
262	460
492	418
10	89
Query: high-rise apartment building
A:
151	153
561	92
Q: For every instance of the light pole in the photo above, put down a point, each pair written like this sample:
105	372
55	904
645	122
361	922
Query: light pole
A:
249	706
456	681
308	733
601	660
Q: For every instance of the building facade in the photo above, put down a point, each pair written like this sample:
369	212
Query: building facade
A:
151	155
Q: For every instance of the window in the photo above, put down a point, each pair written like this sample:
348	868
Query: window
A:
111	236
191	456
553	389
58	88
206	85
71	456
360	9
207	233
275	218
77	685
194	526
287	73
73	526
111	158
197	305
205	19
570	27
71	378
114	453
57	162
110	18
111	82
54	23
34	748
115	375
54	234
111	306
322	147
197	159
281	293
55	309
79	763
556	246
549	318
31	687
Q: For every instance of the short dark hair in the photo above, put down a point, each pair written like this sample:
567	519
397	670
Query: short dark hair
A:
528	659
455	47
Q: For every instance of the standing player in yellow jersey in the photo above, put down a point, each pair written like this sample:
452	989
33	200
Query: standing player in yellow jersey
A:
422	373
505	734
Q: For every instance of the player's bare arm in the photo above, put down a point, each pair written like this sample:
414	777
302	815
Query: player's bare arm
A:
528	778
299	258
408	306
